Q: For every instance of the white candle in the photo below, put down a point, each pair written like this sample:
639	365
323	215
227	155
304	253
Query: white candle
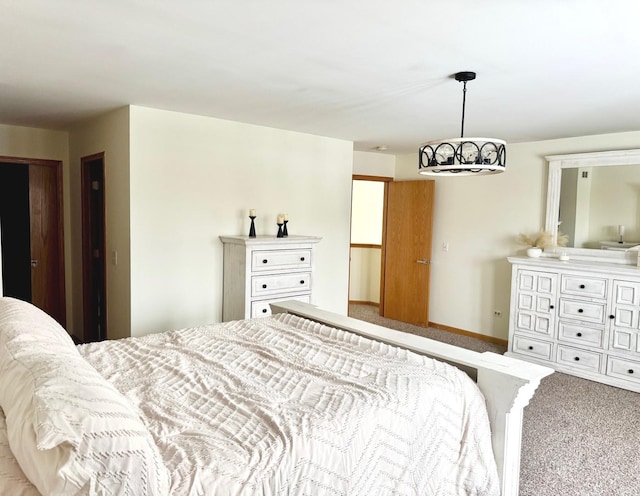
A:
280	219
620	230
285	217
252	212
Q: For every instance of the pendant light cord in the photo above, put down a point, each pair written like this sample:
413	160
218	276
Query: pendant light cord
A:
464	99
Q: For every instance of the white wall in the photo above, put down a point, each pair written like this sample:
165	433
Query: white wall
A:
109	134
480	218
614	201
364	278
367	212
27	142
374	164
194	178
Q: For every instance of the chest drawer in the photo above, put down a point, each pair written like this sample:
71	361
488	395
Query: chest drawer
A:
280	283
624	369
262	308
582	310
586	360
263	260
591	287
532	347
576	333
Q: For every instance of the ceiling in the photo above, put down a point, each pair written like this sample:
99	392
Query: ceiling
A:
374	72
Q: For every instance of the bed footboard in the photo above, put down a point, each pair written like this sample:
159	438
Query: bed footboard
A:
507	383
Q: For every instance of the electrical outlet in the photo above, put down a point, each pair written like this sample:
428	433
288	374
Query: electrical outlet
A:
497	313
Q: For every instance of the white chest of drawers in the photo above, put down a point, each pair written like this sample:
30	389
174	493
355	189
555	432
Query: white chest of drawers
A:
581	318
265	269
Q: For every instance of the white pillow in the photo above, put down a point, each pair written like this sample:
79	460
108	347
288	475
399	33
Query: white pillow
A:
71	431
12	478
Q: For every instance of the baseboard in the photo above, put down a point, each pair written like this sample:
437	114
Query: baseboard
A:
481	337
359	302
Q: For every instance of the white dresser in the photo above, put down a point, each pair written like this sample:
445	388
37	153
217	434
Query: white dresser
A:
582	318
265	269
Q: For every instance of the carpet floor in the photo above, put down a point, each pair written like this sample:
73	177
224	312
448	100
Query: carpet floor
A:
580	438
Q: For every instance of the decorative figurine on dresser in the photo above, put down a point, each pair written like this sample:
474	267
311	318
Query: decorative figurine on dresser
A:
264	269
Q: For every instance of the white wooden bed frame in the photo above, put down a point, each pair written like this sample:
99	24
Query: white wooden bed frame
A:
507	383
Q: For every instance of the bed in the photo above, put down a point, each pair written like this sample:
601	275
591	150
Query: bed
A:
305	402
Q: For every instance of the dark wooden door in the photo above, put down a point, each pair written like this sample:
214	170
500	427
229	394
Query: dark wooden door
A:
47	248
33	234
407	251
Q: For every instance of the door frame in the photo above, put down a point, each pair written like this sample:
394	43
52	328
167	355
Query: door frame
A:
57	164
386	180
87	281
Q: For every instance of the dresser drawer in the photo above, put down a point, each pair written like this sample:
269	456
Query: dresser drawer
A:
280	283
624	369
582	359
532	347
262	308
580	334
592	287
582	310
262	260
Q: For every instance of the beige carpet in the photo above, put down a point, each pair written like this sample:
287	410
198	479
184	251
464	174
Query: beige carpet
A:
580	438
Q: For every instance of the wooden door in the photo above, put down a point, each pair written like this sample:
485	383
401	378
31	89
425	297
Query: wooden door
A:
47	247
407	252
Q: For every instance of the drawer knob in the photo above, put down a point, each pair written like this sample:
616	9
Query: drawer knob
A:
580	310
577	359
302	281
579	334
530	347
302	259
630	371
264	310
582	286
264	286
264	260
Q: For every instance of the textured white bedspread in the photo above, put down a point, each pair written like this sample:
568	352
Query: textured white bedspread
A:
286	406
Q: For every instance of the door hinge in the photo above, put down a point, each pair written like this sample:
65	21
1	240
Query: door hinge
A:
423	262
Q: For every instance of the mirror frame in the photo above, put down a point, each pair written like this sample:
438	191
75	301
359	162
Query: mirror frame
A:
593	159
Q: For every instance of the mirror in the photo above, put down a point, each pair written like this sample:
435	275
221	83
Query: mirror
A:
594	198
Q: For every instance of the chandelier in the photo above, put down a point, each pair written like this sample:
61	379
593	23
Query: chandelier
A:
462	156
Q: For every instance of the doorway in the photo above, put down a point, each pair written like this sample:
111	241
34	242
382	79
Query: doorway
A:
407	252
367	219
33	233
390	255
94	280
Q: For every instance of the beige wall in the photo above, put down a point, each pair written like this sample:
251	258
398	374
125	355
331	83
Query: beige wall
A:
374	164
109	134
194	178
364	275
364	269
480	217
27	142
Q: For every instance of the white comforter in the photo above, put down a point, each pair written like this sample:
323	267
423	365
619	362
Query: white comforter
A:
285	406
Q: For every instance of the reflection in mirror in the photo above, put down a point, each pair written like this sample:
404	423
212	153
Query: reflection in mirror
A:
600	206
594	198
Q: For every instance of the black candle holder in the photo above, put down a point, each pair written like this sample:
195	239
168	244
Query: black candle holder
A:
285	233
252	229
280	234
